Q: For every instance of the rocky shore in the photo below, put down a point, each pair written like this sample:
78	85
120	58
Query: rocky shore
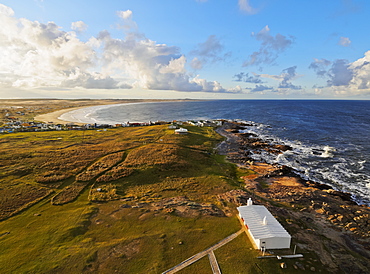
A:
319	218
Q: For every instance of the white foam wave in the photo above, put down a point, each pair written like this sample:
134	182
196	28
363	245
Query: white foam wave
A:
320	163
328	152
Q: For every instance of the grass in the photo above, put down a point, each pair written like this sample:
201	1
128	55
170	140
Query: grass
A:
115	229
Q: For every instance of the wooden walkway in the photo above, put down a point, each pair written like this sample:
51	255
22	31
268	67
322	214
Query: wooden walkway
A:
213	261
209	252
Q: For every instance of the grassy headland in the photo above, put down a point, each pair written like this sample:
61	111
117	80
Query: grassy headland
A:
155	206
142	200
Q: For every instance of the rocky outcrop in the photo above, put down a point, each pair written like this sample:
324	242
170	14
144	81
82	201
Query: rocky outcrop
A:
319	218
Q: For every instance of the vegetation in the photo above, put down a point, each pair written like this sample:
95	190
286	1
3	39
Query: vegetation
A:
117	205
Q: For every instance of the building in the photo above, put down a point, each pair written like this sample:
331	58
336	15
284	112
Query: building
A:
263	229
181	131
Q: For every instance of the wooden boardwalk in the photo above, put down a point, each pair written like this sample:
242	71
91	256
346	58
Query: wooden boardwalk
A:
203	253
213	261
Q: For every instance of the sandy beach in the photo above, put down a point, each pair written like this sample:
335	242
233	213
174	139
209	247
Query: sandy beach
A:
53	117
73	115
56	105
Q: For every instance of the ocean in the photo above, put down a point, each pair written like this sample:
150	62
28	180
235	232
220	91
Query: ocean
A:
330	139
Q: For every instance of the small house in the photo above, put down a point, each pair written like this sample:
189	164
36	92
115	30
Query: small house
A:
263	229
181	131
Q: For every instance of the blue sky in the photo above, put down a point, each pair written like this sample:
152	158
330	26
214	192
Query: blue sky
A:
234	49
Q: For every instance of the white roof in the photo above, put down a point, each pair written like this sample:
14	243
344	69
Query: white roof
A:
261	223
181	130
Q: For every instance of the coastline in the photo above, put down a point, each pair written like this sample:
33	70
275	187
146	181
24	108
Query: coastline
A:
53	117
56	116
320	219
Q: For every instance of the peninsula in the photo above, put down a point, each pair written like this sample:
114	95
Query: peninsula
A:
92	201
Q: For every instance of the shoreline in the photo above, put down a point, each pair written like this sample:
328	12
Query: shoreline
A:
55	116
319	218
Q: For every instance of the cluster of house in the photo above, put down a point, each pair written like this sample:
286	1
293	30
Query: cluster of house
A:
22	126
179	130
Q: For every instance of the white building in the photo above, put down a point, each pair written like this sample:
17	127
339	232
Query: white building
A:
263	229
181	131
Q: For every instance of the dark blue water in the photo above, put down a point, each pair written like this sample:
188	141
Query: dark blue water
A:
330	138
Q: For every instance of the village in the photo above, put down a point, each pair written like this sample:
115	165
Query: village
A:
12	124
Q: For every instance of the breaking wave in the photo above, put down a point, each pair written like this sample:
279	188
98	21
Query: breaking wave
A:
321	163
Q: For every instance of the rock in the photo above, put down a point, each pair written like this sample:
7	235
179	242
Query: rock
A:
300	266
340	218
125	206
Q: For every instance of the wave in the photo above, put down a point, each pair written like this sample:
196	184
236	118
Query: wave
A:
321	163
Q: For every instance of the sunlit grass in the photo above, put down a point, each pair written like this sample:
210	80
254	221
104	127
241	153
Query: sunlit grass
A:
122	233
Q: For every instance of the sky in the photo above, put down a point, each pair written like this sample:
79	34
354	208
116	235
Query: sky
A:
176	49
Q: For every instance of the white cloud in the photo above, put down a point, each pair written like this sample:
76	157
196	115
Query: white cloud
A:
343	77
42	55
7	11
79	26
344	41
153	66
128	23
246	7
37	55
127	14
271	47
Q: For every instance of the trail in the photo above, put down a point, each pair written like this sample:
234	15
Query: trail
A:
203	253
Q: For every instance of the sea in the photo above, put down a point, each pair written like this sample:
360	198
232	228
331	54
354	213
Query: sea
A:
330	138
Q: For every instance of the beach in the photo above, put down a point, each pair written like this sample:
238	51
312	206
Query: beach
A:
53	117
82	114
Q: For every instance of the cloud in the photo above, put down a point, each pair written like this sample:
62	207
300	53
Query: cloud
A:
320	66
153	66
210	48
7	11
340	73
79	26
285	78
37	55
244	77
196	63
261	88
287	75
125	15
344	41
344	77
246	7
271	47
86	80
209	51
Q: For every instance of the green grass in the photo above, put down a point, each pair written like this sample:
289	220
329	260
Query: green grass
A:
83	237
